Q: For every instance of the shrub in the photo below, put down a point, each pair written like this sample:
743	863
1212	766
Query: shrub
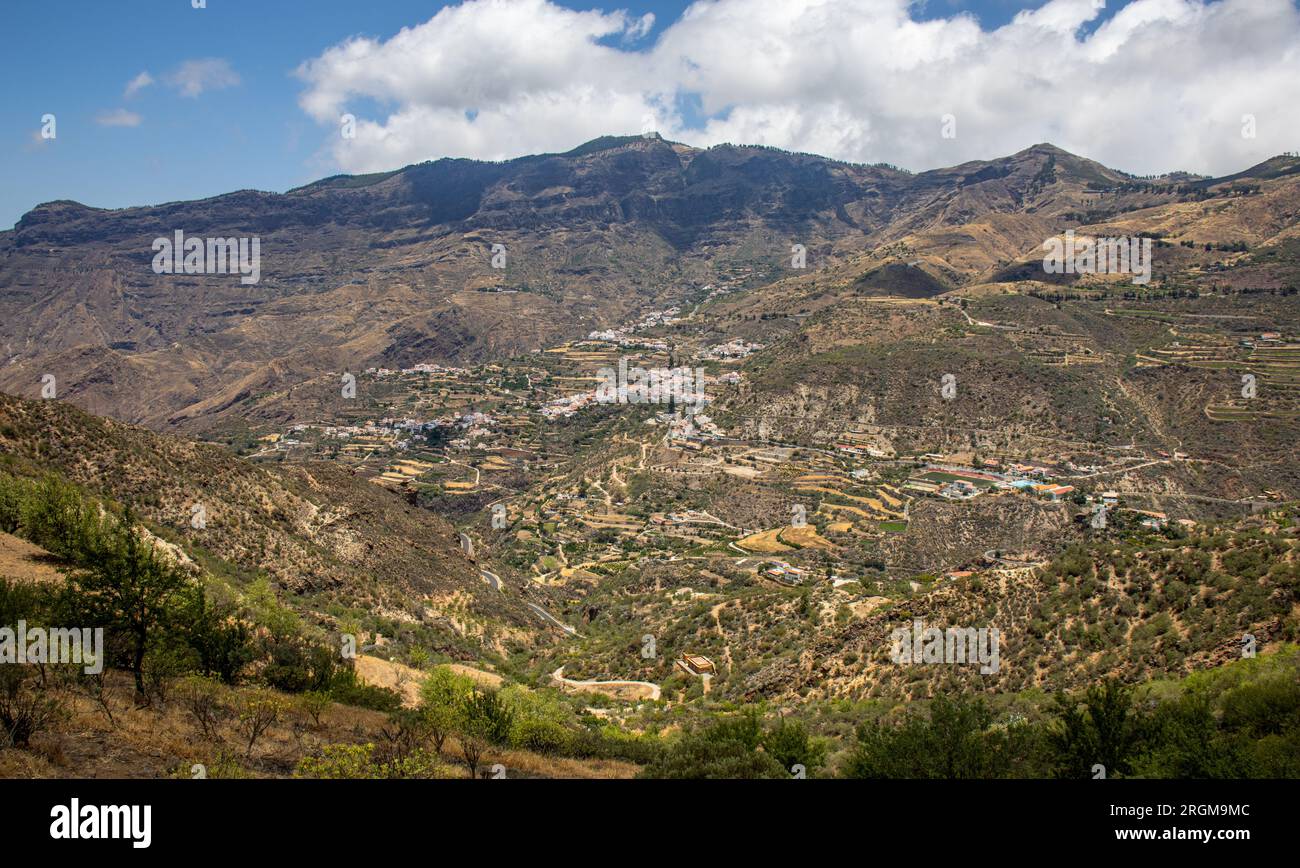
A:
296	665
224	766
339	762
347	689
258	712
542	722
22	601
956	740
314	703
726	749
406	732
607	741
26	707
789	744
359	761
204	698
221	641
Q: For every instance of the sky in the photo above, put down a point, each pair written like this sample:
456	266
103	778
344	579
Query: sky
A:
139	102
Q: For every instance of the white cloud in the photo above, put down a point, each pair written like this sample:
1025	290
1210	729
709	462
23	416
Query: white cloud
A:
193	77
118	118
639	28
1161	85
137	84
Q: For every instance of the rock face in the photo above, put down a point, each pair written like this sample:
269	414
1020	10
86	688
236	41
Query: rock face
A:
398	267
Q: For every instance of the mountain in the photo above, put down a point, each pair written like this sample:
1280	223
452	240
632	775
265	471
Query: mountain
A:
397	268
921	426
336	544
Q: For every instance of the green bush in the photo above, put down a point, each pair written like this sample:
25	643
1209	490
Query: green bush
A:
485	714
441	697
222	643
13	493
59	518
347	689
542	722
296	665
955	740
359	761
725	749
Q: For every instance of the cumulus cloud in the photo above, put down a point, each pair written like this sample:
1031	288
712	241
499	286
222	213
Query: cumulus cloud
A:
1161	85
193	77
118	118
137	84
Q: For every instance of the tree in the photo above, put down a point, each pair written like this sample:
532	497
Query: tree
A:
788	743
296	664
405	734
1185	742
957	740
490	715
315	703
60	519
128	586
441	697
1102	729
484	720
13	492
221	641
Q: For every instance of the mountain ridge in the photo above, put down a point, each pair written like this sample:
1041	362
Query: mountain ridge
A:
402	269
607	143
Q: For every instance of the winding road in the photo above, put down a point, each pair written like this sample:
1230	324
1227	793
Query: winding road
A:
651	690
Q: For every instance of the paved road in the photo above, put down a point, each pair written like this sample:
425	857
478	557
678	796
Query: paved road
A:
558	676
547	616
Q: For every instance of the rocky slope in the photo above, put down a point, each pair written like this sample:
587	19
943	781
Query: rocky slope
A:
321	535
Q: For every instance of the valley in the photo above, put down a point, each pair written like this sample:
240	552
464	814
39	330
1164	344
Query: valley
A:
392	441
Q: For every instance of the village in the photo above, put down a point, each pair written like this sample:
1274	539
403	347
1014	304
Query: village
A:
508	436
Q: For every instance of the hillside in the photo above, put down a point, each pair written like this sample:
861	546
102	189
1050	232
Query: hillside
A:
333	544
397	268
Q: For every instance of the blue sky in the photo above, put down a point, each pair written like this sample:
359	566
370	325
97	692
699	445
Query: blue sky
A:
75	58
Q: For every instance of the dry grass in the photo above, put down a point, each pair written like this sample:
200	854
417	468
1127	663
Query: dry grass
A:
164	741
24	562
805	537
764	541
